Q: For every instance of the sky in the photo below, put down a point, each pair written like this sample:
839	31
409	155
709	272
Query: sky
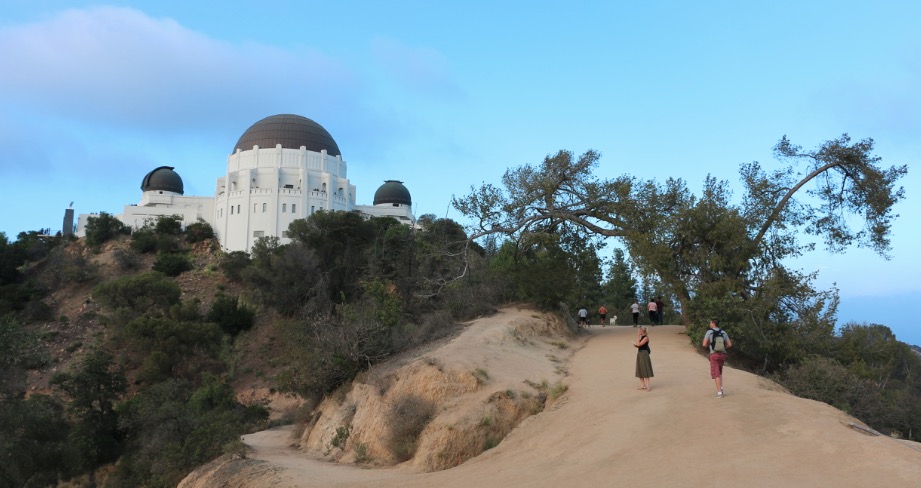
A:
445	96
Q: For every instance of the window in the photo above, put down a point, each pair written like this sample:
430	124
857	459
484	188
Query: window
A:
324	188
220	212
293	208
238	209
231	210
264	205
284	234
258	233
284	207
311	209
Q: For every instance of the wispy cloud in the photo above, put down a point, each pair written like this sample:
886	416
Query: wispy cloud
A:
420	70
120	66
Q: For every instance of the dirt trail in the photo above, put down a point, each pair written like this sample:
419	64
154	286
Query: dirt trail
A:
605	432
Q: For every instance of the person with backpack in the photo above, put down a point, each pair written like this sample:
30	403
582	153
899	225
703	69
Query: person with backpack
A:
718	341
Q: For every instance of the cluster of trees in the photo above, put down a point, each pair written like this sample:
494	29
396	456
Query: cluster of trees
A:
715	257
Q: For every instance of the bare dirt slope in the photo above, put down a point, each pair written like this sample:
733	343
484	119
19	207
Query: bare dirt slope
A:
605	432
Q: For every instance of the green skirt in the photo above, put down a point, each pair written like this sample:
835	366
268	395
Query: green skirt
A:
643	365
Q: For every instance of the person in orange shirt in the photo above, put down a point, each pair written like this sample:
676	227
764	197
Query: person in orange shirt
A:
603	313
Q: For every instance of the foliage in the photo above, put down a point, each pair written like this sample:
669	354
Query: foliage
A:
172	263
230	316
93	388
233	265
288	279
175	427
407	418
168	225
149	292
35	450
19	352
199	231
340	241
102	228
620	288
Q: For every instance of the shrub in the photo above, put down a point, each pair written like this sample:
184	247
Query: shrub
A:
407	419
199	231
168	225
144	241
102	228
142	293
172	264
233	264
230	316
126	258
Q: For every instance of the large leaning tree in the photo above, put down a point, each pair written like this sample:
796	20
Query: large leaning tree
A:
713	254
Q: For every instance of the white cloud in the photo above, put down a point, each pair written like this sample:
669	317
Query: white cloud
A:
117	65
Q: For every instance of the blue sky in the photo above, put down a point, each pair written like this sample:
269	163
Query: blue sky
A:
445	95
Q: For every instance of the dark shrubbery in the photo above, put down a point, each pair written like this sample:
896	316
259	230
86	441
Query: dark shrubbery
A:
233	264
199	231
145	293
230	316
102	228
172	263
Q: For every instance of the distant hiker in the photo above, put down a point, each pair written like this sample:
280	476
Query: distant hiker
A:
643	363
660	310
652	309
603	313
635	308
583	317
718	342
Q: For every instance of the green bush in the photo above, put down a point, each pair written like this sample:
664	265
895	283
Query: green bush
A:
149	292
230	316
233	264
102	228
168	225
144	241
172	264
199	231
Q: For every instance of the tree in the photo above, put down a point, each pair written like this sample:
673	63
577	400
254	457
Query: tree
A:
102	228
713	255
93	388
620	287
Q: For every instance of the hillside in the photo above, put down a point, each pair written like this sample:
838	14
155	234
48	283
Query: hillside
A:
602	431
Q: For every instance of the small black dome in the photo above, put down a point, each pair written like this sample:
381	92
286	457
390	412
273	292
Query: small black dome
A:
392	191
291	131
162	179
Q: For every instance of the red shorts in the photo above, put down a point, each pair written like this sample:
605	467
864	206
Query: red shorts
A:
716	364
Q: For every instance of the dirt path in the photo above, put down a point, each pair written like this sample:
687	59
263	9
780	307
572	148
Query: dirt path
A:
605	432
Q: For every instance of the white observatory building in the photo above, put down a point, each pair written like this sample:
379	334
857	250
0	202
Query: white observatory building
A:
283	168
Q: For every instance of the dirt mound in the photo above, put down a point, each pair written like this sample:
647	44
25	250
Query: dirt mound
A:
602	431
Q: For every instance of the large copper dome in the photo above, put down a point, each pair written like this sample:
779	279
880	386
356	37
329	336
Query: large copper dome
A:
291	131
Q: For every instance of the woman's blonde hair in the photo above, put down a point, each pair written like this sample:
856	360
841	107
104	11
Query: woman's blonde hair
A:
643	328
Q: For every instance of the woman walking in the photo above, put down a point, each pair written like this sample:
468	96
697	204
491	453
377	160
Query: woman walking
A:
643	363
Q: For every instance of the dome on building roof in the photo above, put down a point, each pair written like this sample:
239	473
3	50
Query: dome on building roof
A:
392	191
162	179
291	131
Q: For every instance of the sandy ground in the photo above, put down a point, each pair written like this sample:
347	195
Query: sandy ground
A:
605	432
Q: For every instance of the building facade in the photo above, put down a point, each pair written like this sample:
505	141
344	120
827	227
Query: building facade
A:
284	167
